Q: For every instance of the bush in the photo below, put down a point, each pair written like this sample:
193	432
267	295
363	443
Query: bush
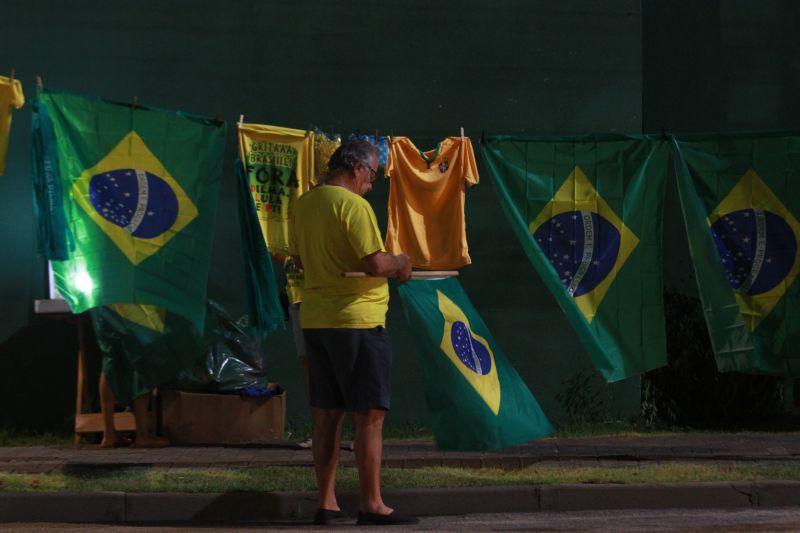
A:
690	391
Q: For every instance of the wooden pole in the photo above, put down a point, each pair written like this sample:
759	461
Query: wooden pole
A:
81	391
416	274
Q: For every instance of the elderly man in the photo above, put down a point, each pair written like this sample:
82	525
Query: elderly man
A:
334	230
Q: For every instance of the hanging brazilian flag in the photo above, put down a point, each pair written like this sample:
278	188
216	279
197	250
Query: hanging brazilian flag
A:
587	211
126	198
475	398
143	347
741	204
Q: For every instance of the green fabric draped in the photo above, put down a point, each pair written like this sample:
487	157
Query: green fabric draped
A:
475	398
263	302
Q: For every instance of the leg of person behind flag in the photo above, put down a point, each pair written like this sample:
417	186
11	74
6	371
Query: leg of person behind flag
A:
144	436
111	439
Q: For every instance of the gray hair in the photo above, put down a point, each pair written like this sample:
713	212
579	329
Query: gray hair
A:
345	157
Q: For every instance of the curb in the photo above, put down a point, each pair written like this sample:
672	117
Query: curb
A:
506	462
250	507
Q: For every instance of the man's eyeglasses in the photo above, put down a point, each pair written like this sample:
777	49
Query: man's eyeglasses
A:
373	173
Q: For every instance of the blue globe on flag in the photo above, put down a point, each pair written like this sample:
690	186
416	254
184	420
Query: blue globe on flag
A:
472	353
140	202
757	248
582	247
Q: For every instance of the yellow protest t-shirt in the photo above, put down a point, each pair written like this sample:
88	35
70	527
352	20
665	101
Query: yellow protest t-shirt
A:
11	97
280	167
333	229
426	202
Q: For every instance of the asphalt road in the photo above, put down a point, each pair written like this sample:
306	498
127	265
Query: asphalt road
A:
783	519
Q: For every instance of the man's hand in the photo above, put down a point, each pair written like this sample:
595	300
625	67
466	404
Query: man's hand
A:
404	272
386	265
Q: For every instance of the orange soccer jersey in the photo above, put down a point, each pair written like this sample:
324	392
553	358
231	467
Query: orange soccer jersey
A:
426	202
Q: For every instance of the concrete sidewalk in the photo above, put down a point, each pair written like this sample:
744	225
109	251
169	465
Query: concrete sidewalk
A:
771	448
296	507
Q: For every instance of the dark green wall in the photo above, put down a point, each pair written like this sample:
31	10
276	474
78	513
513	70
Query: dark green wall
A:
415	68
716	65
720	65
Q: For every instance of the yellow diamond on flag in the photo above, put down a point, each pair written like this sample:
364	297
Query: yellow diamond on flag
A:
148	316
758	241
133	199
584	240
469	352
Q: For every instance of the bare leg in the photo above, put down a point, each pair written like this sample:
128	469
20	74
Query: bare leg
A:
369	449
144	437
325	447
111	438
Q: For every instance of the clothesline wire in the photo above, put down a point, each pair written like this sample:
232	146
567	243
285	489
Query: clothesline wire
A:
358	131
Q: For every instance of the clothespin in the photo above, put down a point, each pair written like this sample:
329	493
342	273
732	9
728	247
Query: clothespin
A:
11	76
134	103
241	121
462	133
39	83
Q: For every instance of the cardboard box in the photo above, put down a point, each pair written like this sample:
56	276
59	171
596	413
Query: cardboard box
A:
192	418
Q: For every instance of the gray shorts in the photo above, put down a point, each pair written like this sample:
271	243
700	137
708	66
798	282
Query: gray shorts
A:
349	369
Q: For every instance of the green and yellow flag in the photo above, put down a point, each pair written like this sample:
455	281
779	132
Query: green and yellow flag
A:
263	302
587	211
11	98
475	398
144	347
741	204
126	199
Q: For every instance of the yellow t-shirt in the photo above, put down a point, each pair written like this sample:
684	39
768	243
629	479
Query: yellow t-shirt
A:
280	167
426	202
10	97
332	230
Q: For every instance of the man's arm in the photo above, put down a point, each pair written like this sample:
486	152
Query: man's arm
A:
386	265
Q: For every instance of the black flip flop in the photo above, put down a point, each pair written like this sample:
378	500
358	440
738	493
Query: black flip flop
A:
327	517
391	519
